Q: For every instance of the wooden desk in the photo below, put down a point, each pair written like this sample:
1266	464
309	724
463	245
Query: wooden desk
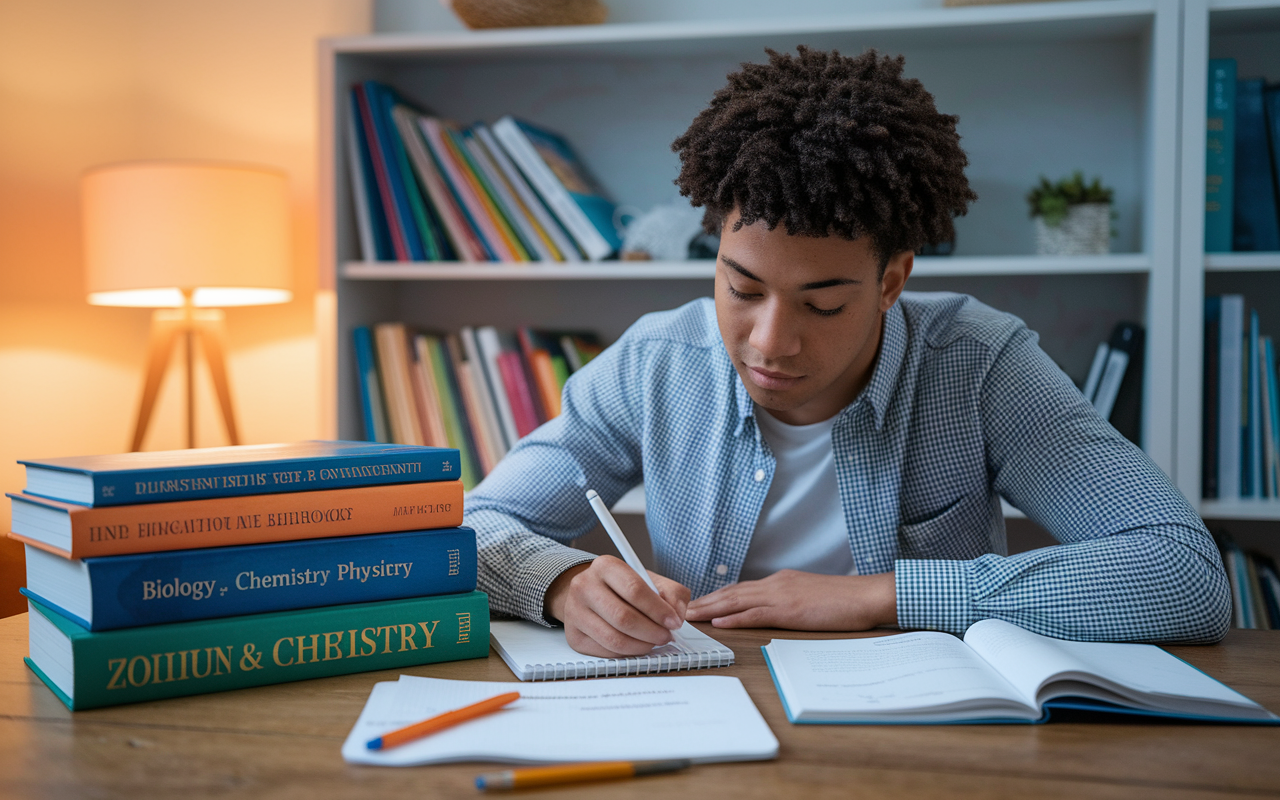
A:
283	742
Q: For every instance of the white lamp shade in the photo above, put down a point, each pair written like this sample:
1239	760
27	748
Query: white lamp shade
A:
156	229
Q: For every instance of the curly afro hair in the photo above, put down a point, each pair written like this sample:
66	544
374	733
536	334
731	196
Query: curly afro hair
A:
828	145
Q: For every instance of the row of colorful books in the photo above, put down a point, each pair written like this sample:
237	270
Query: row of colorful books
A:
425	189
1241	422
1255	586
161	574
1242	165
479	390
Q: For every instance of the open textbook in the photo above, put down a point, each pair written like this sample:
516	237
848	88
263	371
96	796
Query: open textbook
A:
998	673
536	653
700	717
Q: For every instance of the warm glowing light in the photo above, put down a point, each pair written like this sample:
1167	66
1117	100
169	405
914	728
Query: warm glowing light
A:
154	229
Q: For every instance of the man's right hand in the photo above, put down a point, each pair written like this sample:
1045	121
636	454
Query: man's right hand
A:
608	611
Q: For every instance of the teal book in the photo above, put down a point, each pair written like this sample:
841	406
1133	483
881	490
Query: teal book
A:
157	476
1220	146
1255	225
132	665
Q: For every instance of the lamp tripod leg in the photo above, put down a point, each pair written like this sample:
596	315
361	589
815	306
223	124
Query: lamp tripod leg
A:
164	329
213	335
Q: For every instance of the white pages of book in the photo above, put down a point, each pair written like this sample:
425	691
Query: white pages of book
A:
912	677
535	653
1141	677
705	718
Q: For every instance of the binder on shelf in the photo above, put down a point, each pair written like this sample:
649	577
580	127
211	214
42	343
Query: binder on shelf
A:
1114	385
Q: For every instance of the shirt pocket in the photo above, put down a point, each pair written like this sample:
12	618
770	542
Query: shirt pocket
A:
957	531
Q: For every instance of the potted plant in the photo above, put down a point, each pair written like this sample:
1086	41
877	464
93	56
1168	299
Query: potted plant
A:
1072	218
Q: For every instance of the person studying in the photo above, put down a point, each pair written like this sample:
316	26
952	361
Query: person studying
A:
820	449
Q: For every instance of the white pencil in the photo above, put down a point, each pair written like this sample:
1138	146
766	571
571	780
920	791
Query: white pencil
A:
628	554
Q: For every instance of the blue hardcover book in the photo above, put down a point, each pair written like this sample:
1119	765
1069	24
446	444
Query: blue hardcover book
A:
1220	144
1256	225
1271	109
380	104
371	402
364	186
1273	385
1209	425
181	585
1253	427
128	478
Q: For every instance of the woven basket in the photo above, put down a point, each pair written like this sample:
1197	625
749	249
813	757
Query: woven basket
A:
524	13
1085	231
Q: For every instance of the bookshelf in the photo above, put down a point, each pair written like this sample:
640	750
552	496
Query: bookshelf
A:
1042	88
1249	31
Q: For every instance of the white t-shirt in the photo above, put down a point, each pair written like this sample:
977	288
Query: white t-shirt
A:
802	524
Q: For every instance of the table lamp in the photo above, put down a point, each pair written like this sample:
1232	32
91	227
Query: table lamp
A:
186	238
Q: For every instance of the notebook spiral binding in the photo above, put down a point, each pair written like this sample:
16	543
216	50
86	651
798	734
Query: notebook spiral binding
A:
638	665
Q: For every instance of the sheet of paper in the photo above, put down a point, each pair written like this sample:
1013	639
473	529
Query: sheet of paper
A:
700	717
885	675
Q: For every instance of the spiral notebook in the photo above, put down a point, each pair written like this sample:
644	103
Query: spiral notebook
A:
535	653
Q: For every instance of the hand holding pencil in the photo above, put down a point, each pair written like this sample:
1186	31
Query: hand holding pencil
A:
610	611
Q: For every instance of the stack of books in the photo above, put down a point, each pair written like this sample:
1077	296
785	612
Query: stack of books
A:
1242	162
1241	423
479	390
153	575
425	189
1255	586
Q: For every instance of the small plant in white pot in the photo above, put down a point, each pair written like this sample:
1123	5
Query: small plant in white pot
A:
1072	218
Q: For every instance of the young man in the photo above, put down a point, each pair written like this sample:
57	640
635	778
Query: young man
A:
819	450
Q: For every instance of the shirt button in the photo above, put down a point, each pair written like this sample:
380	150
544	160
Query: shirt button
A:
759	475
722	569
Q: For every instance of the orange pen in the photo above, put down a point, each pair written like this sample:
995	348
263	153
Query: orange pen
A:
441	721
575	773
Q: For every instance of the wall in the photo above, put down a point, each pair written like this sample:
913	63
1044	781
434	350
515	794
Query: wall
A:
87	83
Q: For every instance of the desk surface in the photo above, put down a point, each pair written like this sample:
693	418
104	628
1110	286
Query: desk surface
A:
283	742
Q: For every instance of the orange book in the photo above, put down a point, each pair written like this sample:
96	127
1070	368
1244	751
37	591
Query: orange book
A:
74	531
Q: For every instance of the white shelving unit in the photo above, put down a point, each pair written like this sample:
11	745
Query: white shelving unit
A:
1040	89
1249	31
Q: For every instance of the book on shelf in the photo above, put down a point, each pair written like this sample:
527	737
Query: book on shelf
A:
1256	222
88	669
1220	143
237	470
1227	385
1114	383
372	403
1255	586
998	673
563	182
104	593
1242	405
1210	412
77	531
427	189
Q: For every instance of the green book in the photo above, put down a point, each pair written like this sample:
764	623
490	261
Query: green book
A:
107	668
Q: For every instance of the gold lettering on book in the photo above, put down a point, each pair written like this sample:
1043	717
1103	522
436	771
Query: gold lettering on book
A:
464	627
116	681
428	631
332	645
146	671
103	533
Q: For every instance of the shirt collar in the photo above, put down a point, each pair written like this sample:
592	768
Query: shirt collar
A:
879	391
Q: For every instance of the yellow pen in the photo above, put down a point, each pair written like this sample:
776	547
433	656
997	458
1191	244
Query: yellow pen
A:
575	773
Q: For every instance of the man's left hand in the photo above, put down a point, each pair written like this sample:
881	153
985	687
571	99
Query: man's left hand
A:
802	601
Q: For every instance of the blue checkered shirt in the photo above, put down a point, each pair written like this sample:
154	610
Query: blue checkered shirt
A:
963	407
